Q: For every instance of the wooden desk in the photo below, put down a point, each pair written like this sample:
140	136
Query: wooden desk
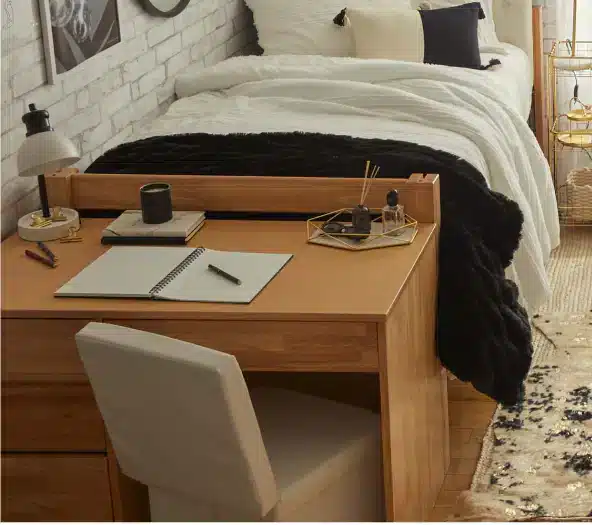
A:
367	318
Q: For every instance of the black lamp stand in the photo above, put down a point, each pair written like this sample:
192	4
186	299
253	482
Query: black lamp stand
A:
43	196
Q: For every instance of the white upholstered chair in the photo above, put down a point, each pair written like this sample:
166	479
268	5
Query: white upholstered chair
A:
182	421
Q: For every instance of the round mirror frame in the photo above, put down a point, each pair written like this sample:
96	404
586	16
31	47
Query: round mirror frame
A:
155	11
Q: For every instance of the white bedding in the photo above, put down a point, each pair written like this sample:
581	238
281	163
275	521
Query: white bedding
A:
464	112
515	75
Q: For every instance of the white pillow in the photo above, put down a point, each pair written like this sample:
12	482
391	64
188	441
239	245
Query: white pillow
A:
394	34
488	40
305	27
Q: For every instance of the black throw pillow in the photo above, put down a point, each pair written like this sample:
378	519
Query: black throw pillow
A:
450	36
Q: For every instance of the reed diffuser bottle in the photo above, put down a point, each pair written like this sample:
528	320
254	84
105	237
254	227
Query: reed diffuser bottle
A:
393	215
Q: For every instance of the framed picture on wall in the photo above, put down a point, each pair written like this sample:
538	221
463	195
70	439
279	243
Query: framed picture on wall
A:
76	30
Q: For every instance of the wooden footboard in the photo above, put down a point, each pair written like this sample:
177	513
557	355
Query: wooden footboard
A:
419	194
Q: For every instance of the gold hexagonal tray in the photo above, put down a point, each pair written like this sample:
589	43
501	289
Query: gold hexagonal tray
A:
350	241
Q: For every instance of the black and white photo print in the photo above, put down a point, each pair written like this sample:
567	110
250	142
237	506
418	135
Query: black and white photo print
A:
76	30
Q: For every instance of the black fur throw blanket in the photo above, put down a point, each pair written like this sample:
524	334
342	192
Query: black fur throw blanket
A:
483	334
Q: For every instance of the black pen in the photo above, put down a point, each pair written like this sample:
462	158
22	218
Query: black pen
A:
222	273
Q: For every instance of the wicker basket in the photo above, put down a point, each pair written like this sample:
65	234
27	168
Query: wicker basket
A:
579	195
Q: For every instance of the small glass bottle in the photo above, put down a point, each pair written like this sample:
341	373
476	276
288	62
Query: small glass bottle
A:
393	216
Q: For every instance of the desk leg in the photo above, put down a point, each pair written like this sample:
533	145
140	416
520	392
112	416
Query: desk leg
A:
414	405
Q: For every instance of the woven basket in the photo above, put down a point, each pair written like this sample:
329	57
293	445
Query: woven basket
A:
579	193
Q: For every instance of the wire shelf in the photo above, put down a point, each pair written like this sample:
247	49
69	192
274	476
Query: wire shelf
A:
564	49
566	63
569	122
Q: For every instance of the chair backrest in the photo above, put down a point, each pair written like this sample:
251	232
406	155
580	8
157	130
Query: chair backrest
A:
179	417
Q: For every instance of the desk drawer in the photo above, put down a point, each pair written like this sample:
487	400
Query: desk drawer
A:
41	346
53	417
55	488
278	346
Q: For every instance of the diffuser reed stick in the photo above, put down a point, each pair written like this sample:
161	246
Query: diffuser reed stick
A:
368	181
365	180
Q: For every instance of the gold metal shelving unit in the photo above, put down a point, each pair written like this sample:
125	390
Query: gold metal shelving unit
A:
571	130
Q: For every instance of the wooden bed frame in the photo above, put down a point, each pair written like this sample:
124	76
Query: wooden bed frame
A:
538	97
520	22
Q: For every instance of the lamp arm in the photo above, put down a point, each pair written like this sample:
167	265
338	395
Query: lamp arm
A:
43	196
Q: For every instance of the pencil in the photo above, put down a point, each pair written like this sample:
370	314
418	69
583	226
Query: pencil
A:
43	260
44	248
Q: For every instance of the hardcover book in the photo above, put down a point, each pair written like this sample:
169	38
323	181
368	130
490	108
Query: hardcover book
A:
184	225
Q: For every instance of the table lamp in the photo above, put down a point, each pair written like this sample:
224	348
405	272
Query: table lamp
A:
45	151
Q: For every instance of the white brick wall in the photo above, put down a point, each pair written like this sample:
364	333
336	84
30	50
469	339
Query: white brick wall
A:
100	103
549	25
136	68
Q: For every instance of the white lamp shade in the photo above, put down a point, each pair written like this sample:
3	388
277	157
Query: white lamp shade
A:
45	152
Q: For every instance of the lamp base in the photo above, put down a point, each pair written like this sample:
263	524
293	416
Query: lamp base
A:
54	230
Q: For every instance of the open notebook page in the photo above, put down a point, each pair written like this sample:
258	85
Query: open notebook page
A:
197	283
125	271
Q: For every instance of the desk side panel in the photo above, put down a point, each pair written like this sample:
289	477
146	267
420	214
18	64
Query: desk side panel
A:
413	397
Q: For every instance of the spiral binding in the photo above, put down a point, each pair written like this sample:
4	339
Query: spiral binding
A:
173	274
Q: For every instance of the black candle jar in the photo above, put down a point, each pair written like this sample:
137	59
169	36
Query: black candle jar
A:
156	202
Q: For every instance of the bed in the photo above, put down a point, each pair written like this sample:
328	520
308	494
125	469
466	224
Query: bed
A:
303	114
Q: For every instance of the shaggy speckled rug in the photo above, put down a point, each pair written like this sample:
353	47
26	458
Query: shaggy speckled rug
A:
536	462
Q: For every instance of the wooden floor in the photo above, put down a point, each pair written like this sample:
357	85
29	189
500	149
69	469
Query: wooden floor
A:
470	414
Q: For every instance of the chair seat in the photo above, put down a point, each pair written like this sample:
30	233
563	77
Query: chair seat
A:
325	456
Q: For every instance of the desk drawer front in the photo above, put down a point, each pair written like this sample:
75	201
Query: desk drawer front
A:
40	346
53	417
278	346
55	488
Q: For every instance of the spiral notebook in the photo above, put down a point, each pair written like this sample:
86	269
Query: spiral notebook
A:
175	274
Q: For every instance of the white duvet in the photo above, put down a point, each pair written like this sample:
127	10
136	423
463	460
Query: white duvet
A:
465	112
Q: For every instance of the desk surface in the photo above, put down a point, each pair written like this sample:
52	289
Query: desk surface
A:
318	283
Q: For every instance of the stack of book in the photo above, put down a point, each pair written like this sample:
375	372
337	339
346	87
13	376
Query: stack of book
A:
129	228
